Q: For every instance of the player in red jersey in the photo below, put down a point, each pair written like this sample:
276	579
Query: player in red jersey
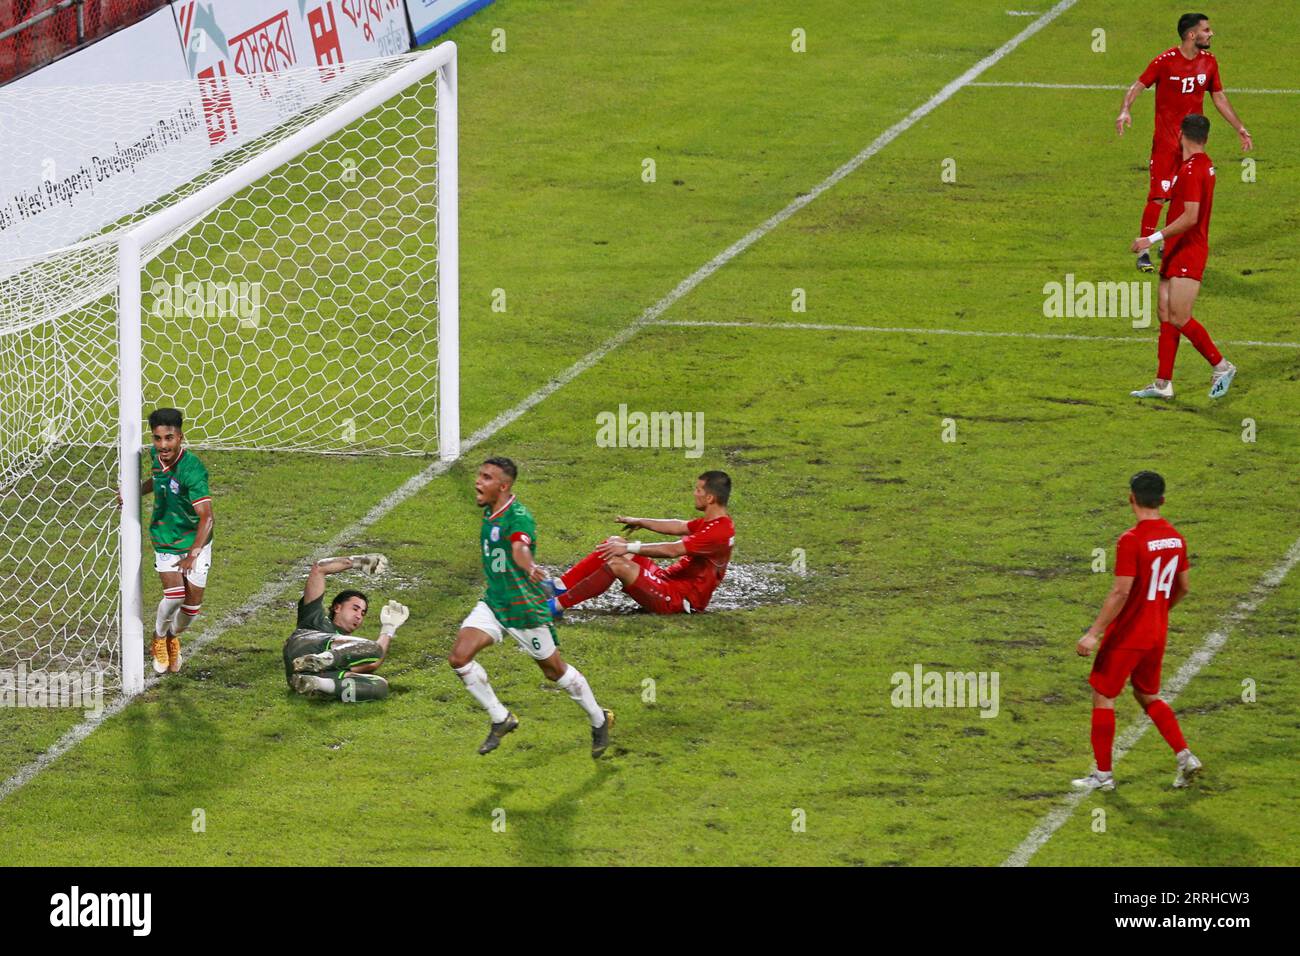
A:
703	549
1186	250
1181	76
1150	578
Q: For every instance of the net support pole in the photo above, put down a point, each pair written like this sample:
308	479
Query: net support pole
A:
448	264
129	403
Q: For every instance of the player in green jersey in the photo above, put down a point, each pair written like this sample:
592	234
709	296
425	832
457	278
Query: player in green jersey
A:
321	658
181	530
515	603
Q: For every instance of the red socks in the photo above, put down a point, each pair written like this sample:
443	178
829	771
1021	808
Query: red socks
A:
1200	338
585	579
1151	217
1103	736
1103	731
1167	350
592	562
1163	717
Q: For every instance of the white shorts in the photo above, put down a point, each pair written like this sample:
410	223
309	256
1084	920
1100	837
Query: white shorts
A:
537	642
198	575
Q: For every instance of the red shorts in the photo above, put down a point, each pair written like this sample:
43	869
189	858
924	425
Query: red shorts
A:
1163	165
1184	262
652	590
1115	665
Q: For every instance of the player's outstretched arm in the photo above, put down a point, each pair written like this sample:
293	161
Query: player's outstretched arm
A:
1110	609
369	563
1225	109
657	525
616	546
1125	118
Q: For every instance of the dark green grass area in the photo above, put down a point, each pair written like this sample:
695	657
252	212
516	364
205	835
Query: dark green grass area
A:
974	554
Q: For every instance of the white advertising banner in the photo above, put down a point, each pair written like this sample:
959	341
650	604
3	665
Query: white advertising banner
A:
235	48
254	37
88	139
104	131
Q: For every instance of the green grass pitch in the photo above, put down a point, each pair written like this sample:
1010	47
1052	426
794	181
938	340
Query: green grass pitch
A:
771	737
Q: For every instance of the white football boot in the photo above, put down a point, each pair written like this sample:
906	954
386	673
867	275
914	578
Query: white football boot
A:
1155	391
312	686
1095	781
1188	768
313	663
1222	381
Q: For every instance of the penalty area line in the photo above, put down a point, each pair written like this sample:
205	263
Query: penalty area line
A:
265	597
973	333
1213	643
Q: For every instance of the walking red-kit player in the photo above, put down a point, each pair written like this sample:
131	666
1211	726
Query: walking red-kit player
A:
703	551
1181	76
1187	247
1150	578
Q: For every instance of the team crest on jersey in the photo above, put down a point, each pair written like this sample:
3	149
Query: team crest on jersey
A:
175	487
1168	184
1200	78
496	533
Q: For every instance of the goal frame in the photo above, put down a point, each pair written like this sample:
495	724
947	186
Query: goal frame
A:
440	60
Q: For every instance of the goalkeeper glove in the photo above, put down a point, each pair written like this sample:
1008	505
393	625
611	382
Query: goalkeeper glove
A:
392	617
369	563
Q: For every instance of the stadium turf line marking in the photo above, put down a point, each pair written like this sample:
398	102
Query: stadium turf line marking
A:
976	333
1110	86
264	598
1212	644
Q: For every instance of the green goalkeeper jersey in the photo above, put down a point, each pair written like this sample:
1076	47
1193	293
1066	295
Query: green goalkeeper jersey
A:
176	490
516	601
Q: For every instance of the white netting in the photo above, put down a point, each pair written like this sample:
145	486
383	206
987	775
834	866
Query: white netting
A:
300	314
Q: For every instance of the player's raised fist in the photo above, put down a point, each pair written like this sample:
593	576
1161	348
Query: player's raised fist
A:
392	617
370	563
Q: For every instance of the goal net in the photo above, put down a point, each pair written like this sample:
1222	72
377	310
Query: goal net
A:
296	294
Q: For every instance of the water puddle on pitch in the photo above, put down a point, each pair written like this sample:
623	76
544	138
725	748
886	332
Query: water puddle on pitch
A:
745	586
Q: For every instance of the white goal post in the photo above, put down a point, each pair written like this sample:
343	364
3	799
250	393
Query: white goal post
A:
338	202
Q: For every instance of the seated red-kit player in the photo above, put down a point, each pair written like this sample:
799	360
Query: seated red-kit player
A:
703	549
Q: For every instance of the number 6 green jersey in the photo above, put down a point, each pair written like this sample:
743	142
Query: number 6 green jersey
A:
516	601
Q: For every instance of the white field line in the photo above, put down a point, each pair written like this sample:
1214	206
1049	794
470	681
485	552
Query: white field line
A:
1213	642
265	597
1110	86
974	333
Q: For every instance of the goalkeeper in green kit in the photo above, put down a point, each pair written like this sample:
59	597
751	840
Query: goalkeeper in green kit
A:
321	657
